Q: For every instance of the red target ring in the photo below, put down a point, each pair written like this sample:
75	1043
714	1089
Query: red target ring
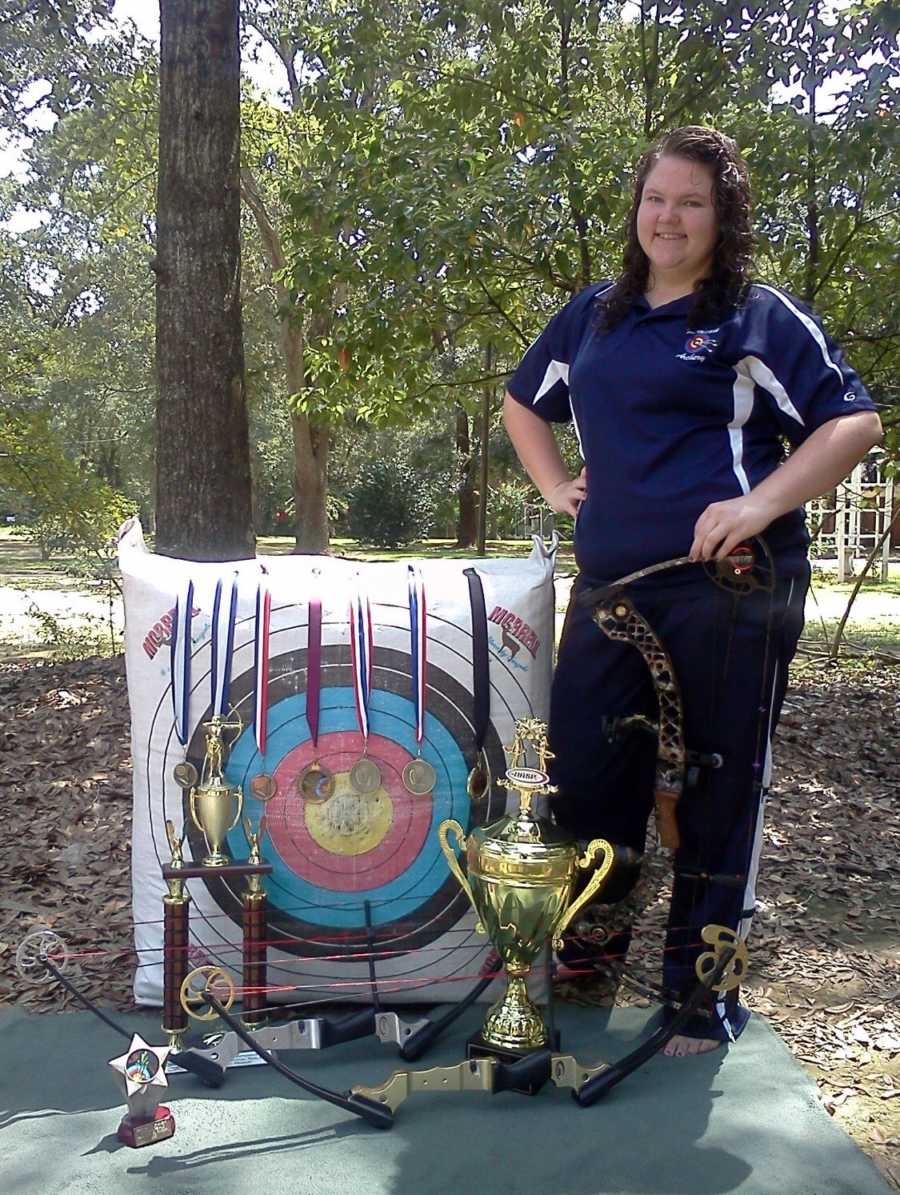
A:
351	841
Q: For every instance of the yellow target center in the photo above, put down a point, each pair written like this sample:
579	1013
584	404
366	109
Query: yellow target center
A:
349	823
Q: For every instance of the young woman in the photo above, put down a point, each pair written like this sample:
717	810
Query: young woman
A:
684	380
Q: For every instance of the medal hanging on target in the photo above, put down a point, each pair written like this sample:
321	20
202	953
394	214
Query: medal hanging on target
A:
181	661
365	775
478	784
263	786
185	774
419	777
315	783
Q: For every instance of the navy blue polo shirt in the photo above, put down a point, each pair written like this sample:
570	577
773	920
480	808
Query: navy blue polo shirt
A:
670	418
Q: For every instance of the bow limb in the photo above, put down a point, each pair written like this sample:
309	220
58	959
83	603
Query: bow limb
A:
376	1114
603	1081
87	1002
415	1044
207	1071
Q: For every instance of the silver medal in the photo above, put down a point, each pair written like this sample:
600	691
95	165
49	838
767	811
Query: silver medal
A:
365	776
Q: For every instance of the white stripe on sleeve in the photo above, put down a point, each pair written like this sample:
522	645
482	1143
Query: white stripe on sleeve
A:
764	377
557	371
810	325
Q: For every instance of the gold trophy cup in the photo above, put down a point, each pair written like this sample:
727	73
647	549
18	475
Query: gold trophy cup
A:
520	877
216	806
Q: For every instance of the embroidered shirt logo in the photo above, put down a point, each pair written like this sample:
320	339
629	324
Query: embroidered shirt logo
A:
699	344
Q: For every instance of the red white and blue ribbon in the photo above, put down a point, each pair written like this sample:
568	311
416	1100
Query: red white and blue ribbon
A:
181	660
417	646
313	667
261	665
361	647
224	614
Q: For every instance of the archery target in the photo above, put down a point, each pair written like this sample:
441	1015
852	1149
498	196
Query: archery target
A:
359	881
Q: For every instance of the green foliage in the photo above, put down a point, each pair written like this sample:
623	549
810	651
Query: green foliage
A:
71	509
386	506
89	636
442	177
45	61
460	170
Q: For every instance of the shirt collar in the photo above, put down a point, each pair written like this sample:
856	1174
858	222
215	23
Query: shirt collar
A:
676	307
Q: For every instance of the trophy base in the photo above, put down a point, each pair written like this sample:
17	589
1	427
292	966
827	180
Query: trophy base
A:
527	1082
216	860
137	1133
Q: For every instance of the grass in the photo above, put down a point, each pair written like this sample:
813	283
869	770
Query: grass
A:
426	549
21	564
871	583
21	567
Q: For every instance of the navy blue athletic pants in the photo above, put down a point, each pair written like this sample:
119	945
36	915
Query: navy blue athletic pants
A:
730	655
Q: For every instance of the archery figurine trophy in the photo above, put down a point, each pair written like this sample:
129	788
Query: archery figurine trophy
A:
215	805
520	879
141	1074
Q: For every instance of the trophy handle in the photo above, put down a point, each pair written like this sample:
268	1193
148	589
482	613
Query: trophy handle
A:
444	831
596	847
240	810
191	798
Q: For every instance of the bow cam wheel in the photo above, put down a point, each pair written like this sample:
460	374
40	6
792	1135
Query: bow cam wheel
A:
721	938
203	981
35	950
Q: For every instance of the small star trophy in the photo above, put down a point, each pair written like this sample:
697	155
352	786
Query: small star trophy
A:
141	1074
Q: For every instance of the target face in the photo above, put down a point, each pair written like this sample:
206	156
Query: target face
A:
356	871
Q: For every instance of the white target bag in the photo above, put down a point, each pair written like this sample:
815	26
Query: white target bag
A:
326	663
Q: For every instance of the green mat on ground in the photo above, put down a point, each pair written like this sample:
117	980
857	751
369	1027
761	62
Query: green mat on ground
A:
744	1120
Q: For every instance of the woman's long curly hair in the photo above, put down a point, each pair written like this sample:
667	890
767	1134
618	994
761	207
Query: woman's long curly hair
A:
730	276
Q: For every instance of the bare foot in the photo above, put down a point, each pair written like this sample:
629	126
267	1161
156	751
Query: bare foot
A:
681	1046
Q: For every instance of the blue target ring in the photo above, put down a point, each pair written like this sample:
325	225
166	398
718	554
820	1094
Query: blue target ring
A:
393	717
413	899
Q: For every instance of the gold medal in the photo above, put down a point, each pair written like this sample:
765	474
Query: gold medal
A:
185	775
419	777
478	785
263	787
315	784
365	776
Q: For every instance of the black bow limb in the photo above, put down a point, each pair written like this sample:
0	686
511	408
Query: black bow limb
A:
208	1071
415	1045
376	1114
413	1038
613	1074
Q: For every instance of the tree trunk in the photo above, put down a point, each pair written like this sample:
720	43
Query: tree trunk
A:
466	526
483	489
812	205
203	455
310	485
310	441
